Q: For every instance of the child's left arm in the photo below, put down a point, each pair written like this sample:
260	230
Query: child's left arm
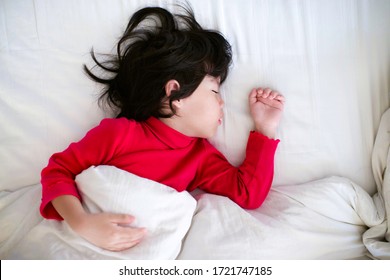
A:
247	185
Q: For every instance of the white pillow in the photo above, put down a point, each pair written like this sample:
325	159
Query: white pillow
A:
164	212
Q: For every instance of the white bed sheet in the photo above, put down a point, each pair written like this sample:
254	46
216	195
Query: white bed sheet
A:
329	58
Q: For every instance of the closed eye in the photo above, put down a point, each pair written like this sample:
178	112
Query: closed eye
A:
215	91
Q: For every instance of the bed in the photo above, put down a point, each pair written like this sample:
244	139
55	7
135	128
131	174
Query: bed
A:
330	195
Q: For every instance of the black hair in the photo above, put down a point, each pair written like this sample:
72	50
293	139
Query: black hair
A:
155	48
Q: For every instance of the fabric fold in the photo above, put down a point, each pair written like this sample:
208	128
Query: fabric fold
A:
377	238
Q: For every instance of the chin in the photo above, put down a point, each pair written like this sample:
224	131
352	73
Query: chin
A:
206	134
212	134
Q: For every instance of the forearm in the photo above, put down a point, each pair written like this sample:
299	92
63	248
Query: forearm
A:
270	132
70	209
247	185
257	170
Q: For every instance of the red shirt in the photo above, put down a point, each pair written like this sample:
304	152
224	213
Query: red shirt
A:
155	151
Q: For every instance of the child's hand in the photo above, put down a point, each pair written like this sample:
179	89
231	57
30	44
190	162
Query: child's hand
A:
109	231
266	107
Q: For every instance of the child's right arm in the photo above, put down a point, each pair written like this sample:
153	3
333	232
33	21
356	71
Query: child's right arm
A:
61	200
99	146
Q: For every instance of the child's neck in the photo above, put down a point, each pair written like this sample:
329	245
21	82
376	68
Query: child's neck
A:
175	123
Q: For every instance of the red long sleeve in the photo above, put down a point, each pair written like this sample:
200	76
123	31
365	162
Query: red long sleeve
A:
98	147
140	148
249	184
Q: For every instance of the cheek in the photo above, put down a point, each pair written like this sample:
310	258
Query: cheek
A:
210	110
206	107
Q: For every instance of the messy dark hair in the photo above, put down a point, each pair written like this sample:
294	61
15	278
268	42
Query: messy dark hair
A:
155	48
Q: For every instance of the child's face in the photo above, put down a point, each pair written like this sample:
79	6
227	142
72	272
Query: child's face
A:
202	111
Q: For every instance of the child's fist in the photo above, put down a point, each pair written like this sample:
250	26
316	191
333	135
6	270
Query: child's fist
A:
266	107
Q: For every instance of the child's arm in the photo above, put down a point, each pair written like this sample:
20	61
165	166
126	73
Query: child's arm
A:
60	198
247	185
99	146
105	230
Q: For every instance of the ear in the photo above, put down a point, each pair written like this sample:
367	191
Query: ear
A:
172	85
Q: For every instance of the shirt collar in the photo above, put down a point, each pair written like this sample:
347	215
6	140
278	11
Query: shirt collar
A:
168	135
